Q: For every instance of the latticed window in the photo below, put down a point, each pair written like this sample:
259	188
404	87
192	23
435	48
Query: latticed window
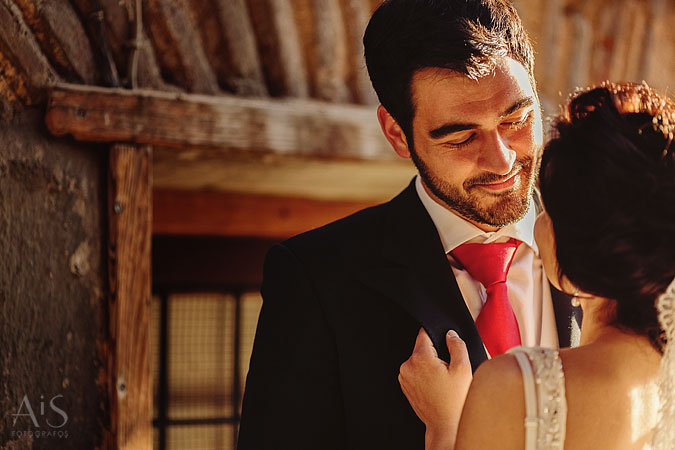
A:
205	308
201	345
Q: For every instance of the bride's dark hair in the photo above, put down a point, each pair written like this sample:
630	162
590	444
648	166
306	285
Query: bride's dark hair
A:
607	180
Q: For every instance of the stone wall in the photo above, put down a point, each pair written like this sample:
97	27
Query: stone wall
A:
52	288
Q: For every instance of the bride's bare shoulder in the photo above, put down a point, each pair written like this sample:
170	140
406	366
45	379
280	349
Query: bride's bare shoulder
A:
498	373
618	376
495	407
626	359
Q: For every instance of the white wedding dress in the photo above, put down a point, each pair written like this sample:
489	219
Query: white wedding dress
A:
545	402
544	386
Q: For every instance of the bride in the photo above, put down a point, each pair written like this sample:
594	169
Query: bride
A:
607	181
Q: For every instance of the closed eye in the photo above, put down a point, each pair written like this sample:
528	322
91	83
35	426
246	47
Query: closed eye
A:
461	143
519	123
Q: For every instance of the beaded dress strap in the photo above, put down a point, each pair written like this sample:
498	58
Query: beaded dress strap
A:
546	406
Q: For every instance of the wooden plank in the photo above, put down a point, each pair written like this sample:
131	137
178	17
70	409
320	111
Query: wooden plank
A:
330	49
93	15
290	52
281	54
357	13
120	18
130	222
211	33
149	73
552	46
579	56
530	13
638	38
604	30
305	24
656	35
622	36
285	176
30	71
204	213
12	83
62	38
288	127
247	76
178	45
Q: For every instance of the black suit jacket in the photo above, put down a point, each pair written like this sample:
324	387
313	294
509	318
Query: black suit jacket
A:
342	307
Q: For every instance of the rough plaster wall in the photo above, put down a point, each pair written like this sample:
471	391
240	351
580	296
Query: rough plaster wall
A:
52	285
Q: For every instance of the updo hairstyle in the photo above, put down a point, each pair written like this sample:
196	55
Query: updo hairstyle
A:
607	180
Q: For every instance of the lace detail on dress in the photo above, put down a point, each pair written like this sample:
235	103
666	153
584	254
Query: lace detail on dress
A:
549	381
664	435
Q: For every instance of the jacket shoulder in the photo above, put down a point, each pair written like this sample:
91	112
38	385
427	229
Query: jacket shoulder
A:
356	228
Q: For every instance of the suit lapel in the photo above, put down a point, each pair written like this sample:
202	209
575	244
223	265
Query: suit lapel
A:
416	274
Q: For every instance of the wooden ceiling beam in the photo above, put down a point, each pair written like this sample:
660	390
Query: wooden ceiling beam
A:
280	175
279	45
94	19
120	18
247	76
62	38
331	54
652	66
200	213
284	127
357	14
178	45
30	71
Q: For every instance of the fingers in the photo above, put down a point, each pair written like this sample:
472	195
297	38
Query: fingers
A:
424	355
457	348
423	345
436	393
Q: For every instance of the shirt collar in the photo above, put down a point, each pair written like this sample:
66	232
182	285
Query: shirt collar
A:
455	231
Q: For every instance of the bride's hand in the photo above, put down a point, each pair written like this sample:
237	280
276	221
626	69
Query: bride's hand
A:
437	390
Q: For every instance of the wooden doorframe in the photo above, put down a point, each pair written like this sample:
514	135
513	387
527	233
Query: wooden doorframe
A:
134	121
129	262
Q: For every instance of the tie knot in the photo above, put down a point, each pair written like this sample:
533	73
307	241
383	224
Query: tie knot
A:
487	263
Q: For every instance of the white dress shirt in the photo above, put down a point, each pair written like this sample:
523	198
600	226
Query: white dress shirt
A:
527	285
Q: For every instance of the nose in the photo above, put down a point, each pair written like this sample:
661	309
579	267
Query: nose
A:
496	156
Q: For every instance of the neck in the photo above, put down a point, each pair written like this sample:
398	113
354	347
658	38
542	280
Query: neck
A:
597	314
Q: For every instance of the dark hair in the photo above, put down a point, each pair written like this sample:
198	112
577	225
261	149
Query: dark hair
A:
467	36
607	180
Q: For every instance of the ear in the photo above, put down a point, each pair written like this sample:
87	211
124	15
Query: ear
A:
393	132
566	286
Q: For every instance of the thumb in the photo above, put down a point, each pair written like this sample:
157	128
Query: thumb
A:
424	345
457	348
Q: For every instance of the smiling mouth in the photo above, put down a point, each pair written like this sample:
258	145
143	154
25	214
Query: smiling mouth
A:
501	185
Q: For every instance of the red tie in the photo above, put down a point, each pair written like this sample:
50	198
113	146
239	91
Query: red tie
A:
488	264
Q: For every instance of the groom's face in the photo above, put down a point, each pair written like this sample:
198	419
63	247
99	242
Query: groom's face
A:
477	142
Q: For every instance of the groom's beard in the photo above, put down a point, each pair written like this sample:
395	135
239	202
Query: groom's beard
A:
478	205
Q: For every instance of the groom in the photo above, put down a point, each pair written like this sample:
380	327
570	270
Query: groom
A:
343	304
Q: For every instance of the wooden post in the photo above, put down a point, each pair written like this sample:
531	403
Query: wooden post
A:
130	213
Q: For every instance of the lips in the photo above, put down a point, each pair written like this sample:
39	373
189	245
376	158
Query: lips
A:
506	184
